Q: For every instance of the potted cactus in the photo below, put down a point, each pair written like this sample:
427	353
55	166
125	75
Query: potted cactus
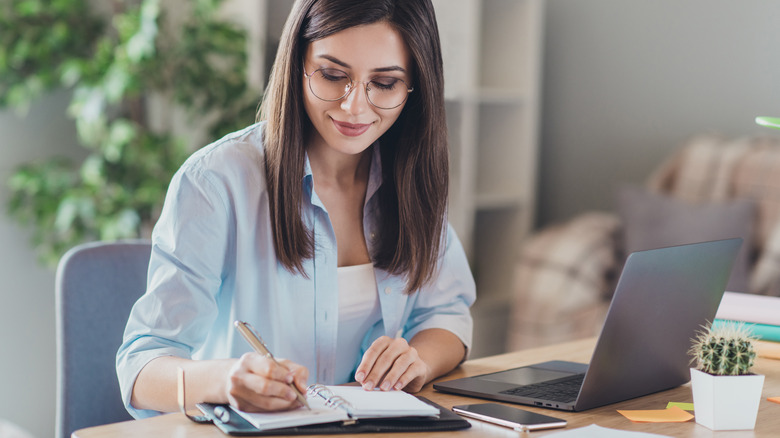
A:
725	393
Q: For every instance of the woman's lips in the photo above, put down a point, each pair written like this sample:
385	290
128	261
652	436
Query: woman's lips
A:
351	129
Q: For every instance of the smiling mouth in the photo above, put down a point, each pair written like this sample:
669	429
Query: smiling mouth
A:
351	129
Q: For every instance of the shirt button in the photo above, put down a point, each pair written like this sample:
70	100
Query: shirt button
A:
388	291
373	235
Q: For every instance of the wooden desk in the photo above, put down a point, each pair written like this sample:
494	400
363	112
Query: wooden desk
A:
768	423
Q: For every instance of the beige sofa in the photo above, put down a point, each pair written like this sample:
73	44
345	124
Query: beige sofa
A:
711	188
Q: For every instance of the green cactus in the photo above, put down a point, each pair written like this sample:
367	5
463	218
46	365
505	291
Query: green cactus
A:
725	349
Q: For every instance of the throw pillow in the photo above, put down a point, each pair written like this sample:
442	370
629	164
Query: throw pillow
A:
652	220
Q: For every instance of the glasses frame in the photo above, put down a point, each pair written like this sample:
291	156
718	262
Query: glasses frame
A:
352	87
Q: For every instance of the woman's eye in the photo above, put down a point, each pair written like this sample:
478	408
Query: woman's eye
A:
385	83
334	75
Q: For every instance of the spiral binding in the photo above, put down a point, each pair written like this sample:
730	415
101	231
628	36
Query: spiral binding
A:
331	399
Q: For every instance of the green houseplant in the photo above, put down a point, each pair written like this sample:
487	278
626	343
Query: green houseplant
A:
148	85
725	392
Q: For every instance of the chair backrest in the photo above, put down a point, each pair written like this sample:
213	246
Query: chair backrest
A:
96	286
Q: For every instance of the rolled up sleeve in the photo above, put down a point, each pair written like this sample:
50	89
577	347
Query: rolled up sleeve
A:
189	247
445	304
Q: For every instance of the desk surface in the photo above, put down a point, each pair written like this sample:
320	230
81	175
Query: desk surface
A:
767	425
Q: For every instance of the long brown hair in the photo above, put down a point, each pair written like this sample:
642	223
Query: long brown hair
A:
414	151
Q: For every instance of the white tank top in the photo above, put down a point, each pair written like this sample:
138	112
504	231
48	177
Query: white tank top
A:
358	311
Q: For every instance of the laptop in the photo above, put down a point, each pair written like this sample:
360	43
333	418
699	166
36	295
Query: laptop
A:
662	299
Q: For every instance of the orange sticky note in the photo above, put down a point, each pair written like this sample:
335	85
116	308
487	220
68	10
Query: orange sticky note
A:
774	399
671	415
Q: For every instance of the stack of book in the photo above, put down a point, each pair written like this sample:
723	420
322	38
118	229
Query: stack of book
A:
760	313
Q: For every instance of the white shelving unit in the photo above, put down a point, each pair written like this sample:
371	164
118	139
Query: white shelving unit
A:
492	65
492	59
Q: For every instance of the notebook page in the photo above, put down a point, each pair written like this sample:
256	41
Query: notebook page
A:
368	404
319	414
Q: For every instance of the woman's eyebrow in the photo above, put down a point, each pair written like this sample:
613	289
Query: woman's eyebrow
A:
335	60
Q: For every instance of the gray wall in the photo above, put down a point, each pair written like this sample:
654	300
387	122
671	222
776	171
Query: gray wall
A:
27	347
627	81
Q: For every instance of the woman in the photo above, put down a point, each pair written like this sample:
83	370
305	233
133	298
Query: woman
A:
324	226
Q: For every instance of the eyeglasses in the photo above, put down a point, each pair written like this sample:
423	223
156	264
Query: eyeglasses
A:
332	84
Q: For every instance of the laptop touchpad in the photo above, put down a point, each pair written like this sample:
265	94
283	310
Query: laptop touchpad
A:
525	376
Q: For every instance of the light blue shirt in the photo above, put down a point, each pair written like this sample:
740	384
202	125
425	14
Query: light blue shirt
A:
213	262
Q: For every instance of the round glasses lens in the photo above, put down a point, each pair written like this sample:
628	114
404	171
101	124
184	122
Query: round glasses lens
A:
329	83
387	92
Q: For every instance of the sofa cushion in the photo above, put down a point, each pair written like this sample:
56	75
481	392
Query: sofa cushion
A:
652	220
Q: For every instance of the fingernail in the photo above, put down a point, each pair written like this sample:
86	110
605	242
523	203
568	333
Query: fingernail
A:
398	386
289	378
291	396
368	386
360	376
385	386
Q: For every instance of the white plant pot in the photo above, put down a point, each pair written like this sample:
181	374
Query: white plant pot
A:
726	402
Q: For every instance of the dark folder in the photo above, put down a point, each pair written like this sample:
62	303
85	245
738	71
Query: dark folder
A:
238	426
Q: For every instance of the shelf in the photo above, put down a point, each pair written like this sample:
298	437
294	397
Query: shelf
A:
498	201
491	304
505	150
487	96
496	246
503	96
491	319
509	39
492	63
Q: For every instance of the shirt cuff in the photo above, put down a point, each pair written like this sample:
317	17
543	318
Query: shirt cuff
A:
458	324
128	368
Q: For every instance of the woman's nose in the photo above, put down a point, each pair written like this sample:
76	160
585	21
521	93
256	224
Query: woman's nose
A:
356	100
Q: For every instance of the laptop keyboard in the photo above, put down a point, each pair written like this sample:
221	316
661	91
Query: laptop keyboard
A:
560	390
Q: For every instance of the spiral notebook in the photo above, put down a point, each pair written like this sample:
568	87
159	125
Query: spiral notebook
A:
342	409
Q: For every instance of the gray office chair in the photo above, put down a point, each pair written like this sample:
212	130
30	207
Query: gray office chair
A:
96	286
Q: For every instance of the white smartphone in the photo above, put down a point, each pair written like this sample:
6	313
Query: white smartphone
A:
518	419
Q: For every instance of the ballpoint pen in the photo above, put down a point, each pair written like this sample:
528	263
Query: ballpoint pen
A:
258	345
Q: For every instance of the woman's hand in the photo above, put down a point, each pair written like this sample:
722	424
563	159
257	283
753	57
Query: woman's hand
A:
256	383
392	364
